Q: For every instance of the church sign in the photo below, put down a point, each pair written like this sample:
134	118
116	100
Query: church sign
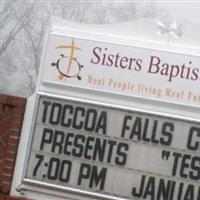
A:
111	120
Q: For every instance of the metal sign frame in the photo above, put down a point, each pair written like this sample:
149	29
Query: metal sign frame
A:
26	182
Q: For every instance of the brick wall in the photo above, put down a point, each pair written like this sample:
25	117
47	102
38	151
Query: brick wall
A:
6	197
11	118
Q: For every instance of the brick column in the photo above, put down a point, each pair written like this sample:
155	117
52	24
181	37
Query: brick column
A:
11	118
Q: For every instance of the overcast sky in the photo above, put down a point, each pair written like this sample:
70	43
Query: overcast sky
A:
183	10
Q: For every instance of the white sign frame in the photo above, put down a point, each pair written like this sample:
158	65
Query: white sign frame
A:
33	189
28	184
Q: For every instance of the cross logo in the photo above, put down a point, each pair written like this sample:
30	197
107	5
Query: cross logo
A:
67	65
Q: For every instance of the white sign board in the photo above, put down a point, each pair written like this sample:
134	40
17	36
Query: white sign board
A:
122	69
121	153
111	120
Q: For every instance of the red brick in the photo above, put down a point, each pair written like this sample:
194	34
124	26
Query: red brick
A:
4	126
5	187
16	121
13	140
8	151
15	126
11	198
14	133
4	137
17	117
11	147
8	170
6	177
6	114
9	163
14	136
10	128
10	155
2	152
18	101
1	167
18	110
3	98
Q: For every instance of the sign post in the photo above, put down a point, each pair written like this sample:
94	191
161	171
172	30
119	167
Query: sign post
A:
112	121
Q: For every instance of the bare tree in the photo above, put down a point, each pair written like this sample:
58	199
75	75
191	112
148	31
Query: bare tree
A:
23	25
21	45
12	22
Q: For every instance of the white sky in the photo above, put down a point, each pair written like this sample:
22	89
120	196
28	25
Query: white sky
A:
183	10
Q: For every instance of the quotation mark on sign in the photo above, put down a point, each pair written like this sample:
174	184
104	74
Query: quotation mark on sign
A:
165	155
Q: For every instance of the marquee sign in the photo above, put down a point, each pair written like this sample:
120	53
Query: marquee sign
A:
112	151
122	69
87	135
